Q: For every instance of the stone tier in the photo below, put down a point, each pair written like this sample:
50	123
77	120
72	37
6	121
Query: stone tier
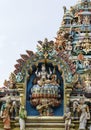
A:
40	123
44	123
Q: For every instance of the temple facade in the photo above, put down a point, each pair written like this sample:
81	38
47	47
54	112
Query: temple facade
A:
51	89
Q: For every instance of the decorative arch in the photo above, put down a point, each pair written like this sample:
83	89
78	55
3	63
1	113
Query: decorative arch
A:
58	64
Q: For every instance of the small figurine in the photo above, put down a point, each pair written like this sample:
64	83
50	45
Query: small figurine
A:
43	75
44	108
67	117
5	115
85	114
83	120
13	110
22	117
75	107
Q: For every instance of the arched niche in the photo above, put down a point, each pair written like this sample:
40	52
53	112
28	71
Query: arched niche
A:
62	70
56	62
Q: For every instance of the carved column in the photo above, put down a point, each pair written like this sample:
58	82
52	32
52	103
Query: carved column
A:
68	89
20	87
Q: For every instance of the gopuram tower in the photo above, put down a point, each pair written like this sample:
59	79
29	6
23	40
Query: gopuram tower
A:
53	85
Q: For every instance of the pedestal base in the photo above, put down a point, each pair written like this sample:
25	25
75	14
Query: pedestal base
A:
40	123
44	123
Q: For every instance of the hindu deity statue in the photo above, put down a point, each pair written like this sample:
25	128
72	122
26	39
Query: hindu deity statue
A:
43	75
83	112
46	93
67	117
22	117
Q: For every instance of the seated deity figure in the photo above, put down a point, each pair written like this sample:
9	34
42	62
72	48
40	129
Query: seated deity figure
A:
43	76
46	93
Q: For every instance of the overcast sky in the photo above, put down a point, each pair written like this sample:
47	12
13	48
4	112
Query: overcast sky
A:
22	24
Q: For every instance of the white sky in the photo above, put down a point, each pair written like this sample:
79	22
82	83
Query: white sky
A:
22	24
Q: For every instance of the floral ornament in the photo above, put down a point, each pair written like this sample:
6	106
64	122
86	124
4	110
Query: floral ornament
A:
19	77
46	49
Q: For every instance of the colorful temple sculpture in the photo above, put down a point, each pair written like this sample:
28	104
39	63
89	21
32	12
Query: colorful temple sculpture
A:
51	89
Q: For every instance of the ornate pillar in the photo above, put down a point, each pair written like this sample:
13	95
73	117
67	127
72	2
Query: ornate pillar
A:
21	89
